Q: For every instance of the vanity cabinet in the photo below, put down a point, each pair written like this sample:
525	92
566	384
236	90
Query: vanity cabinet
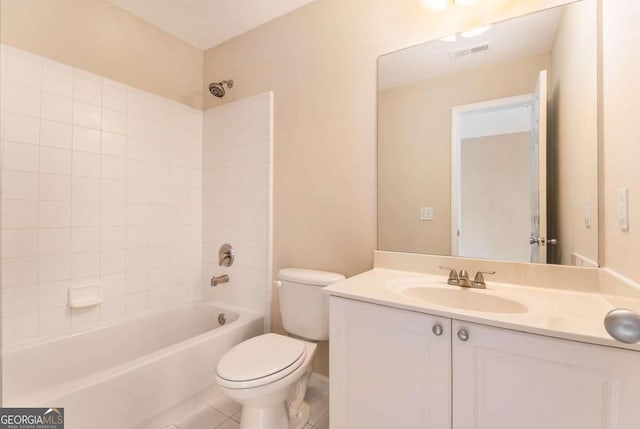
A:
390	370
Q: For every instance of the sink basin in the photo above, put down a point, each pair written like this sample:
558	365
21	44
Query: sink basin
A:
464	299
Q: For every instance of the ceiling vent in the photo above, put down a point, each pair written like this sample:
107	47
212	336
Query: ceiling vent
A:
469	50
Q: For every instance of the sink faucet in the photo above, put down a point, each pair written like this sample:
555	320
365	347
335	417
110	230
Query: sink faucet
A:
463	280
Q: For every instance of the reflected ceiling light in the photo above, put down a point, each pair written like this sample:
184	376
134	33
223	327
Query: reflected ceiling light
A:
476	31
435	4
464	2
451	38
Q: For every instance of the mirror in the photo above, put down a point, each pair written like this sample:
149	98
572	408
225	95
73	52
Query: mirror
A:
488	141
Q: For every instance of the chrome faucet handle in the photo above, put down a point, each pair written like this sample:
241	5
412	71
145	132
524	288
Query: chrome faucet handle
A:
478	280
453	274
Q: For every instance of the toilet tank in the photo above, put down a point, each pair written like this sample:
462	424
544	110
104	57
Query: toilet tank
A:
303	306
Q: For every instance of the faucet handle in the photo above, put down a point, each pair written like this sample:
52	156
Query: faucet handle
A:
453	274
479	278
464	274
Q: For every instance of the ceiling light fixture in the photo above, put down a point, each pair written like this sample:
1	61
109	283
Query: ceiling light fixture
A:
476	31
464	2
444	4
435	4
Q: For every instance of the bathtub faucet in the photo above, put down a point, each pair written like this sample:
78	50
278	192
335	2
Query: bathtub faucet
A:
215	281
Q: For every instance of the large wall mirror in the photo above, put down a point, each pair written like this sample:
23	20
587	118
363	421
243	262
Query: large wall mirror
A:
488	141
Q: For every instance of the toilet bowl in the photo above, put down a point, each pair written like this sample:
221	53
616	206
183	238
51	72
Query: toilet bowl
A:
268	374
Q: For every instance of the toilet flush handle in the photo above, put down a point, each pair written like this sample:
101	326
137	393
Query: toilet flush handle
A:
277	283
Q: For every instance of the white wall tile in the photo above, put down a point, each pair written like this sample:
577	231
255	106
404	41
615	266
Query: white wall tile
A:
20	128
83	157
19	214
85	189
25	71
86	140
20	99
113	262
86	164
18	185
113	214
17	272
87	87
113	285
54	241
85	214
52	268
19	300
56	134
55	161
20	156
114	96
86	115
54	214
52	187
56	80
85	240
19	243
85	265
112	168
53	295
114	121
113	191
57	108
113	144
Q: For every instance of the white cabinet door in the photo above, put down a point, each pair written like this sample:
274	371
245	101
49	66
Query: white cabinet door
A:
388	368
505	380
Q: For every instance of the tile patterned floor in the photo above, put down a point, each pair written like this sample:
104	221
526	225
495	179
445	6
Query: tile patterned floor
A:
226	413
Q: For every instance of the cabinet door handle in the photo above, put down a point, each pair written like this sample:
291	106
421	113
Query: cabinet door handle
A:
463	335
437	329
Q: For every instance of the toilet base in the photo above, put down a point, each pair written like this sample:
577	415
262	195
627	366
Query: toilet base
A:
301	418
274	417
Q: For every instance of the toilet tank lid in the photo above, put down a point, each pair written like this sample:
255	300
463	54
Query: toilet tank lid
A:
311	277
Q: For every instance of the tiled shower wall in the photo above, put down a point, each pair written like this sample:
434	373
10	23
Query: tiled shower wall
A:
101	182
237	183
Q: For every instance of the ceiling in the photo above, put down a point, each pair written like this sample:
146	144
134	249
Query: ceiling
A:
207	23
508	40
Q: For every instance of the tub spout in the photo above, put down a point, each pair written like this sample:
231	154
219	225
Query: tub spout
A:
215	281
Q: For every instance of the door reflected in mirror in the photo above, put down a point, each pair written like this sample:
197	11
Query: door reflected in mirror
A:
487	144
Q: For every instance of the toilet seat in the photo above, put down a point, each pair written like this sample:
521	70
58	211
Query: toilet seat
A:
259	361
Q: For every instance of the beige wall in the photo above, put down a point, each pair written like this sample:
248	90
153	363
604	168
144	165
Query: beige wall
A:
99	37
415	133
573	96
621	147
320	61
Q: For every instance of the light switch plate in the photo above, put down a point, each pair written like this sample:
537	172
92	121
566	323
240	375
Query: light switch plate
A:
623	209
587	212
426	213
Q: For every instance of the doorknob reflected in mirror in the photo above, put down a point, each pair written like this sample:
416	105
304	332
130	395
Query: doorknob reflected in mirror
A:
541	241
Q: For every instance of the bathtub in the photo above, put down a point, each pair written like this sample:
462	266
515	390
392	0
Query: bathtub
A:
129	374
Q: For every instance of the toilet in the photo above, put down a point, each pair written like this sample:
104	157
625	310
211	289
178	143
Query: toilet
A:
268	374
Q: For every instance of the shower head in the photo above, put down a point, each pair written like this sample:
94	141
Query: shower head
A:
217	88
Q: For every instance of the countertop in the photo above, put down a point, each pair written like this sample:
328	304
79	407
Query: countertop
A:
566	314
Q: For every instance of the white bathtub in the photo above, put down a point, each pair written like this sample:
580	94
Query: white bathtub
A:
128	374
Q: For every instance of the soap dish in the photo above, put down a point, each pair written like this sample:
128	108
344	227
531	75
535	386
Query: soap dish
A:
83	296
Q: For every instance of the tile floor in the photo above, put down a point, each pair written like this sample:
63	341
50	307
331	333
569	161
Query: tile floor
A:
318	419
222	413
